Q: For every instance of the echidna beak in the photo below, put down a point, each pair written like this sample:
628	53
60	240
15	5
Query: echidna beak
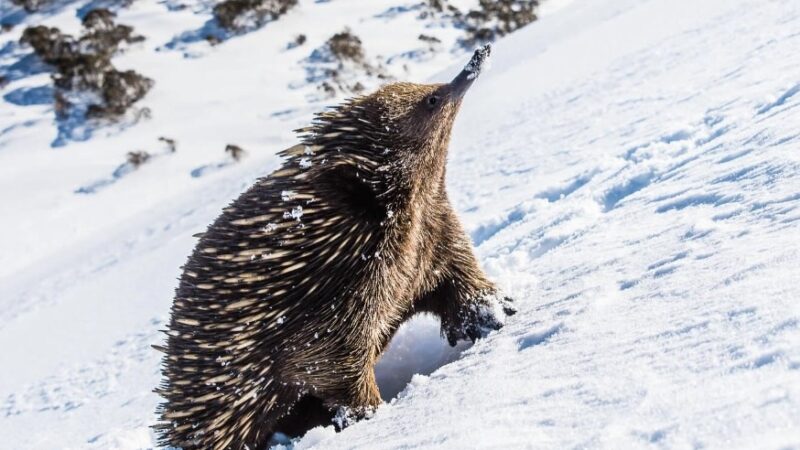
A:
461	83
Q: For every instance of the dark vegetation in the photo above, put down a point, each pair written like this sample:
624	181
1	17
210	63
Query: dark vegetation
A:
333	65
491	20
497	18
49	6
86	83
429	39
336	66
30	5
432	42
133	161
298	40
170	143
87	87
243	15
137	158
235	152
230	18
346	46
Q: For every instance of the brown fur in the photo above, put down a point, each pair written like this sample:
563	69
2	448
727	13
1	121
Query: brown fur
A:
278	314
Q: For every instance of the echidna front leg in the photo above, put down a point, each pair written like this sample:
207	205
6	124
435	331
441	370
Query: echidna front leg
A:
468	304
466	312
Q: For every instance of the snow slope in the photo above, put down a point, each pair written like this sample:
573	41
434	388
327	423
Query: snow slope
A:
635	183
629	172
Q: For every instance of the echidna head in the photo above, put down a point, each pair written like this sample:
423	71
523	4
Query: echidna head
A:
417	116
422	115
395	138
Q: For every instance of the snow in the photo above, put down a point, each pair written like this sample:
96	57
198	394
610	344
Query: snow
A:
628	171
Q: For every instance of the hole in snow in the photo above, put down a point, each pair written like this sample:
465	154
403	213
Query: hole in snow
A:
417	347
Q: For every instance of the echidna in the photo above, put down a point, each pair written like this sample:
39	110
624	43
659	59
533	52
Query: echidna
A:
292	294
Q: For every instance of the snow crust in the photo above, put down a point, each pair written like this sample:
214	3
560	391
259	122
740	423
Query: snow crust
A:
629	173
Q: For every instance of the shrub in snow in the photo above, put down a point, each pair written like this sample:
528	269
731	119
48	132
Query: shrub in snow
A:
243	15
429	39
235	152
298	40
346	46
137	158
489	21
496	18
171	144
30	5
339	64
432	42
438	7
86	82
119	91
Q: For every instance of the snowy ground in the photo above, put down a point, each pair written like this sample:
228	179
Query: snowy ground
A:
629	171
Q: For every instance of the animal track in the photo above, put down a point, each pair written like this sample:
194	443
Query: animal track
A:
791	92
620	191
672	259
558	193
698	200
726	215
737	313
539	337
706	130
485	232
764	359
546	245
680	135
664	271
734	156
75	387
736	175
205	169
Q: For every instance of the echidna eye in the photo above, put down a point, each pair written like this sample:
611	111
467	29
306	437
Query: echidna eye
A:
433	100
